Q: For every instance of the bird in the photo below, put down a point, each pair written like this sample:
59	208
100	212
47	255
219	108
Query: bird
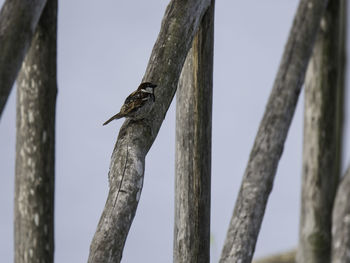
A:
138	104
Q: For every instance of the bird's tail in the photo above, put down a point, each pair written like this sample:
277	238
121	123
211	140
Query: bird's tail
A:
117	116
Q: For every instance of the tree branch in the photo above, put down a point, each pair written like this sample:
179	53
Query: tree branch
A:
35	144
179	25
18	20
269	142
193	148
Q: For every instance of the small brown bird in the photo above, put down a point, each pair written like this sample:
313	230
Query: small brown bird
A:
138	104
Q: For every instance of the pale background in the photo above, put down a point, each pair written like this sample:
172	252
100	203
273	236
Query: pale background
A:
103	50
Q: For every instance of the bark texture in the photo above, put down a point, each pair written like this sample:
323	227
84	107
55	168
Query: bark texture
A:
286	257
322	137
193	148
341	222
268	146
35	144
18	20
179	25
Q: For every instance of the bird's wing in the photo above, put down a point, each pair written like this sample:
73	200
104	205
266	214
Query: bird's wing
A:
136	95
134	101
133	105
131	97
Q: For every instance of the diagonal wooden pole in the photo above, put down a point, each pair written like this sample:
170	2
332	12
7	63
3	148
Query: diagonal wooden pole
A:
179	25
269	142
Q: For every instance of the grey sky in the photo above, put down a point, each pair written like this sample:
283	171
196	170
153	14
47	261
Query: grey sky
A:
103	50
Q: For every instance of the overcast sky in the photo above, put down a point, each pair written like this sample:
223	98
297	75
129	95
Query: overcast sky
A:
103	50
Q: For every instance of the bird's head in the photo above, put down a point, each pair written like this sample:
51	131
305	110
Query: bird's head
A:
147	87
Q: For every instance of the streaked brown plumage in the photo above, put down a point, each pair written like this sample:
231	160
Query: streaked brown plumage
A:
138	104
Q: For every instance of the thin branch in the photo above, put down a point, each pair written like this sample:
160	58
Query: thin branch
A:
18	20
35	144
269	142
179	25
193	148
